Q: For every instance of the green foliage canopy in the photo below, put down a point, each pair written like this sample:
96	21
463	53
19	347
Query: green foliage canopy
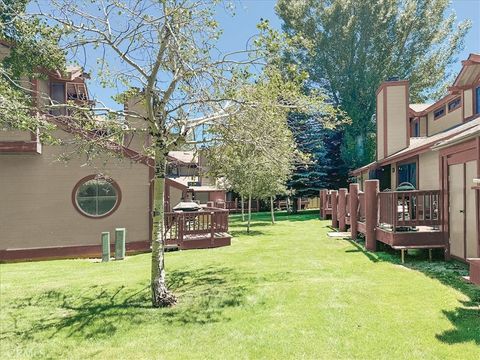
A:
348	47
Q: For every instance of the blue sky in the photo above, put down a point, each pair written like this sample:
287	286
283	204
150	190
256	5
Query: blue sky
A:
239	28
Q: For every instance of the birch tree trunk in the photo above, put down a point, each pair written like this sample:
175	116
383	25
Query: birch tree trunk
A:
249	212
161	296
272	210
243	207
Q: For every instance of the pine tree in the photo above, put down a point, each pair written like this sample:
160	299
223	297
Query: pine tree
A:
324	168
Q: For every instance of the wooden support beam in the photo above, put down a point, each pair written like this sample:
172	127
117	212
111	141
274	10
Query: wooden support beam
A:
353	210
334	200
323	203
371	214
342	209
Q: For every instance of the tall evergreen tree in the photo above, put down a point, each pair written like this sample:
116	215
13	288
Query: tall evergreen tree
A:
322	169
348	47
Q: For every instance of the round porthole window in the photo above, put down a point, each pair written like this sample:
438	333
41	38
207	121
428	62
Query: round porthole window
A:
96	196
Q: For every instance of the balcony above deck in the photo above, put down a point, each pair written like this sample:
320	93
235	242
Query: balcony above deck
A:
19	142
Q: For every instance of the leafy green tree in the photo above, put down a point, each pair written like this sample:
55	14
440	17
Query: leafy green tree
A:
256	150
33	49
348	47
164	54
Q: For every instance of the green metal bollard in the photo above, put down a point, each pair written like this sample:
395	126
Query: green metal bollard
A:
105	246
120	235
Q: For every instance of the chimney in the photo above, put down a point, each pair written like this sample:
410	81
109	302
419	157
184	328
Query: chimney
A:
392	117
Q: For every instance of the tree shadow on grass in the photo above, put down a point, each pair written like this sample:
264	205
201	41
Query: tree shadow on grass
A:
243	232
466	318
99	312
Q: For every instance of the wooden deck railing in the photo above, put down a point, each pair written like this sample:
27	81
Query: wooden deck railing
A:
409	208
396	209
188	224
361	207
397	218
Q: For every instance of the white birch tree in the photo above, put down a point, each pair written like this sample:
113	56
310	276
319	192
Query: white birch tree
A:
163	54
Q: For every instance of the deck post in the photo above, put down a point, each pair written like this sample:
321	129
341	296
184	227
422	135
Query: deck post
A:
371	214
325	203
353	211
333	197
181	228
323	198
212	229
342	209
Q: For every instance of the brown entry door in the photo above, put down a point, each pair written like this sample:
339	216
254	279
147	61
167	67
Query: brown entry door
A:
463	243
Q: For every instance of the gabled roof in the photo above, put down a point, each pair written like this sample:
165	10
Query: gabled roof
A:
367	167
467	76
419	107
186	157
175	184
468	134
469	73
419	145
184	180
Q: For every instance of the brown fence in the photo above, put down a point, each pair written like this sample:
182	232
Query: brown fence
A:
236	205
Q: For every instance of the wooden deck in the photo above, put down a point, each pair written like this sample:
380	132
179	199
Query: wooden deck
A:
402	220
420	238
207	228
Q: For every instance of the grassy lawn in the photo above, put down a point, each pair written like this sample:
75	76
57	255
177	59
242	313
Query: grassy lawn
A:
285	291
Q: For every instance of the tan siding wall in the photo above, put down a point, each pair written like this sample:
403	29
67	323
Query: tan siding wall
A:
429	173
361	180
187	171
423	126
43	92
396	119
36	208
468	102
380	148
136	141
136	108
14	135
140	136
175	196
445	122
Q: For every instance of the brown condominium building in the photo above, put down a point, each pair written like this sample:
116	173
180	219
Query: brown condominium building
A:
54	209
